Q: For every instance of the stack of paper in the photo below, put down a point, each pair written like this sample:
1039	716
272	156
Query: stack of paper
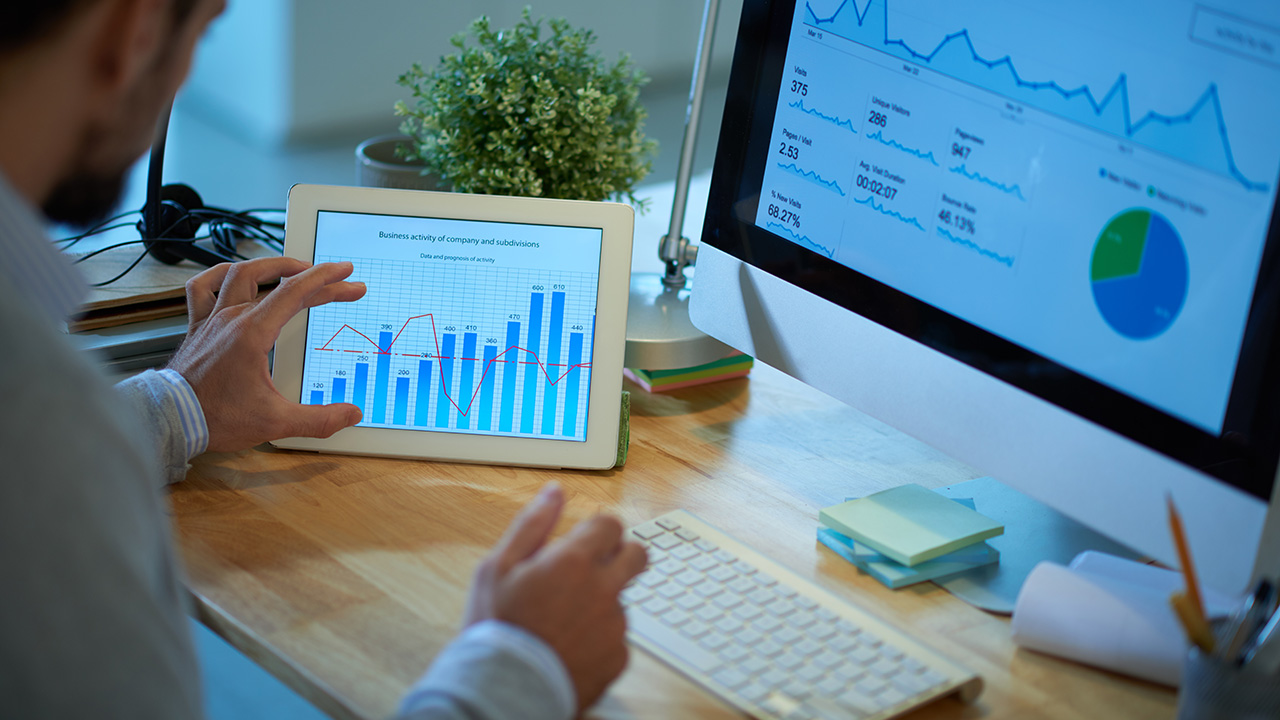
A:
909	534
733	366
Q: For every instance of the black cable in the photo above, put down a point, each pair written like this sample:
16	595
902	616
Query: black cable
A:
101	227
124	272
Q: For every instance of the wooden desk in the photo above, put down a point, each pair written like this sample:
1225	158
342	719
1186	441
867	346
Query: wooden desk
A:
345	576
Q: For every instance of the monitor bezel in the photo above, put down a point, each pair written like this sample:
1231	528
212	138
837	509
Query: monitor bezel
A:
1244	455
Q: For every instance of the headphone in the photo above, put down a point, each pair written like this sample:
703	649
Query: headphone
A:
173	215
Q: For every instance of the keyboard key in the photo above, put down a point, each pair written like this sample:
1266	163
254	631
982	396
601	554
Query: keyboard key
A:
703	563
636	594
687	535
767	624
761	596
884	667
780	607
789	661
810	674
722	574
651	578
655	606
671	591
744	568
773	678
730	678
806	603
765	580
768	649
647	531
859	702
825	615
831	686
734	654
841	643
784	591
748	638
708	589
754	692
684	552
689	577
670	566
892	696
870	685
674	617
800	620
753	665
666	541
787	636
724	556
797	689
827	659
727	625
669	524
747	612
694	629
709	614
727	601
820	631
742	585
714	641
689	602
806	647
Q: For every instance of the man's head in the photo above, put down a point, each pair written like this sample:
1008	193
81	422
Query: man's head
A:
100	72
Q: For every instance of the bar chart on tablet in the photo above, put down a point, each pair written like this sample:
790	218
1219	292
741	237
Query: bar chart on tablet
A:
453	344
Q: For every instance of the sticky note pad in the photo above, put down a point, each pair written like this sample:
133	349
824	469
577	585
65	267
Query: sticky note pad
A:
896	575
910	524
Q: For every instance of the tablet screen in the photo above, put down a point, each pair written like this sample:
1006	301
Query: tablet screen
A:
484	328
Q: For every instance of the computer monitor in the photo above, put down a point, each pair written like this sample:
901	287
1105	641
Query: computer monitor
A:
1040	237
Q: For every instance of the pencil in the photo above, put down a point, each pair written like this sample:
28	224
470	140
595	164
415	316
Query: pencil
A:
1197	629
1184	559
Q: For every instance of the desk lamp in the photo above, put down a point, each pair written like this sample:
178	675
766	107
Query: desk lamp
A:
660	335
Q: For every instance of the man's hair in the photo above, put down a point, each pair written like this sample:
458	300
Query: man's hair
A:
25	21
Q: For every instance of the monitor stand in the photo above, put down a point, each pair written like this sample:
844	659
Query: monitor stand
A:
1033	532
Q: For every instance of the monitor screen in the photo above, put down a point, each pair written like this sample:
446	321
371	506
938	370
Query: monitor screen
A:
467	327
1075	199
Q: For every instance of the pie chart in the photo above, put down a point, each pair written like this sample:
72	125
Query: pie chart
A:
1139	274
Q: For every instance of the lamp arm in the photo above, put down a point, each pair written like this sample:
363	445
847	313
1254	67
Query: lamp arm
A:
675	250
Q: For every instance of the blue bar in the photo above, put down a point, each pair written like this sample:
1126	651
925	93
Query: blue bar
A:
555	333
360	393
339	389
402	402
531	368
571	386
424	393
317	397
382	378
510	366
487	371
467	388
443	403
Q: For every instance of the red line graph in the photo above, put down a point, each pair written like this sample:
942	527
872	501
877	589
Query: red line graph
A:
444	388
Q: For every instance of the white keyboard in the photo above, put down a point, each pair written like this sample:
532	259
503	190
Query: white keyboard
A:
769	642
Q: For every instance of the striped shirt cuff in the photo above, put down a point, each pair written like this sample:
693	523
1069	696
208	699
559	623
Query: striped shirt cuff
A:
190	415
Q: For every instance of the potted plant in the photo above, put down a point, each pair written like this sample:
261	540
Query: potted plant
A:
529	112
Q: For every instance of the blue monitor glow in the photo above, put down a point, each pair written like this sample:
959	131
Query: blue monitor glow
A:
1040	237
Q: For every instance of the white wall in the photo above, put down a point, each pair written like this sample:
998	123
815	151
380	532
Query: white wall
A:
280	71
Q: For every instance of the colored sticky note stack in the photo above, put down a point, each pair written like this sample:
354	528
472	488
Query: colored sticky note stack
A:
909	534
733	366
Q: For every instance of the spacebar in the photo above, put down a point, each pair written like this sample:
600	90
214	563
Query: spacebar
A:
670	640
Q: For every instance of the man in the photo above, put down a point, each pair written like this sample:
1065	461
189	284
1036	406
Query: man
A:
91	620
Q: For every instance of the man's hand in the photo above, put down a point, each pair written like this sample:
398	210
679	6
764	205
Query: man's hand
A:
230	332
565	593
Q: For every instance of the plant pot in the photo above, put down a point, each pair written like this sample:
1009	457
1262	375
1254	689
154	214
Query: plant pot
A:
378	166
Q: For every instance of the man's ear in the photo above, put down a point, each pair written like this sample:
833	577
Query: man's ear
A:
126	41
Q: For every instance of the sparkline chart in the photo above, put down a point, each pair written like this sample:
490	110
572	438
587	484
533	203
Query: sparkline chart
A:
445	342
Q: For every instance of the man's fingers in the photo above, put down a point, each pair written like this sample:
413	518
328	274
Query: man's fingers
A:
600	536
202	293
531	528
337	292
295	294
628	563
319	421
243	279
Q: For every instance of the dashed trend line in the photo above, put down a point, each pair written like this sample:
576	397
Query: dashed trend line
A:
1013	190
833	119
963	242
878	136
1119	89
871	203
443	384
812	177
802	239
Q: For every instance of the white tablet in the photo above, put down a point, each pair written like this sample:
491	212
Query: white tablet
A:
492	332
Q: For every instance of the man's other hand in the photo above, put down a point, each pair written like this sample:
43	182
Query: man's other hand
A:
231	330
566	593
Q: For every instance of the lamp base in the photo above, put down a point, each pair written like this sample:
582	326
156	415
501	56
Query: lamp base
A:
660	335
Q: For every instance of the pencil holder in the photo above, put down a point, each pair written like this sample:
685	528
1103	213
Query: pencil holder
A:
1216	690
